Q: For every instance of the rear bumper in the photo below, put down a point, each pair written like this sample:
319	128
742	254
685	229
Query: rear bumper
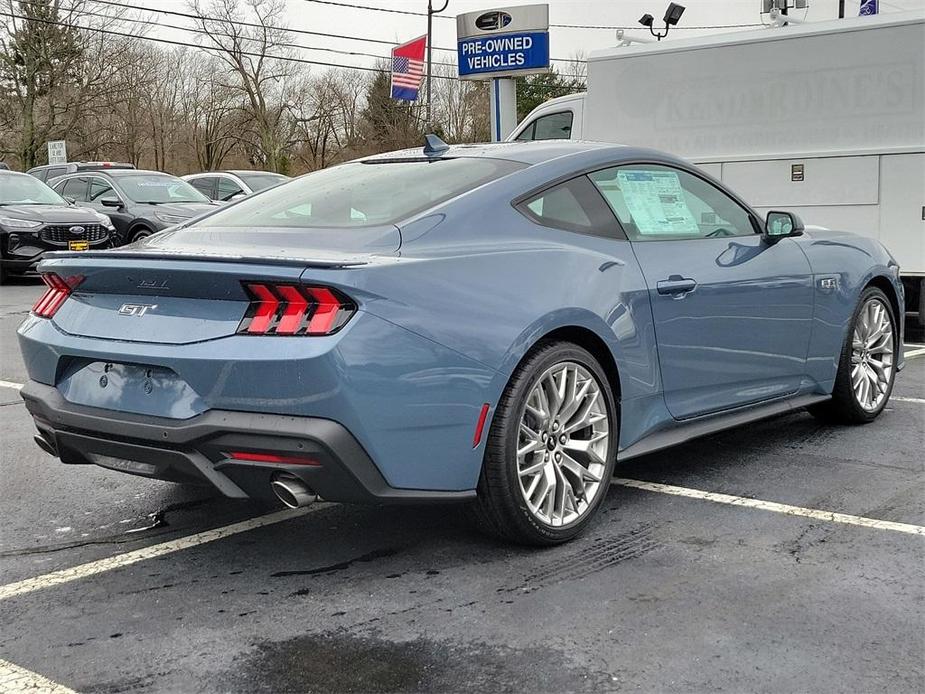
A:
197	450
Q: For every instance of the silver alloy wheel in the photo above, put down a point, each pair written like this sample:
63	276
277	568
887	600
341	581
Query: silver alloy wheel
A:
872	354
562	444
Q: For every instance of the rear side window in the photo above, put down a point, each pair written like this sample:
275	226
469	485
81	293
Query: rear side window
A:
362	194
573	206
48	174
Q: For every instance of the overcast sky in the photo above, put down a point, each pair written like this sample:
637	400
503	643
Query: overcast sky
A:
564	42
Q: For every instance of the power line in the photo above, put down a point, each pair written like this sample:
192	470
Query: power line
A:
558	26
237	22
290	59
197	31
251	54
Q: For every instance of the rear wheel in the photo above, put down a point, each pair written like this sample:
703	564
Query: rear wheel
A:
550	453
866	369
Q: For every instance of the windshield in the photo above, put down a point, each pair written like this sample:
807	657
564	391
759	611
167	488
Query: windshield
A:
259	181
158	188
362	194
22	189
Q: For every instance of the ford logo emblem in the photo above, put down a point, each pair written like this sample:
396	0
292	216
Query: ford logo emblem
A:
76	230
492	21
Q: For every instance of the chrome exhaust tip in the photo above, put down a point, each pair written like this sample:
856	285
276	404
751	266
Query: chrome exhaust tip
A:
42	443
292	491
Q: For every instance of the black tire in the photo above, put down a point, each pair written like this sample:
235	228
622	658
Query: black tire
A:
4	275
140	233
500	508
844	408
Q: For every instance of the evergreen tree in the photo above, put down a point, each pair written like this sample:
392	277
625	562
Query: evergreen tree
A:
533	90
41	60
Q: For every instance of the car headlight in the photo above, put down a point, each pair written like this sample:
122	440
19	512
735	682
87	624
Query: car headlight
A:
104	220
18	223
170	218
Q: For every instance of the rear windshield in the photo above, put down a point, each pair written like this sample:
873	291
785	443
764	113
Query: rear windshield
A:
259	181
362	194
159	188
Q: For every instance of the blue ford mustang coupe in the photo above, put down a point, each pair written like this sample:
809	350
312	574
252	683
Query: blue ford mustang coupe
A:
495	324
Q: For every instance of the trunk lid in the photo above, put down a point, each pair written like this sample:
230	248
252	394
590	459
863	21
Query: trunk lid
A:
192	288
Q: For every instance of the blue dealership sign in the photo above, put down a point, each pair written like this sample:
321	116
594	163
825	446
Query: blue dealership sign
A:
480	55
503	42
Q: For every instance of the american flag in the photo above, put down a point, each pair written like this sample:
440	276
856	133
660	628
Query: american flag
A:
408	69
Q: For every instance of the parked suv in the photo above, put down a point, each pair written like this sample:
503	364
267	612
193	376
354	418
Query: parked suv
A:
34	219
230	185
139	202
50	171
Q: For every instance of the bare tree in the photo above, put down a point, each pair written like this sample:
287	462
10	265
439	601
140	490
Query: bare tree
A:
255	58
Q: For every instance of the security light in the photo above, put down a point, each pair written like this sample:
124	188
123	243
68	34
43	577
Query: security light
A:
672	17
673	13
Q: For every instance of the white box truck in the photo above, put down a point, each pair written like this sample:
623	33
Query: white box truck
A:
826	119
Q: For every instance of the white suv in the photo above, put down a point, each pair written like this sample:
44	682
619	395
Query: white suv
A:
225	186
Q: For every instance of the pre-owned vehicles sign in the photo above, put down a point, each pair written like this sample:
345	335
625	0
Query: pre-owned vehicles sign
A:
503	42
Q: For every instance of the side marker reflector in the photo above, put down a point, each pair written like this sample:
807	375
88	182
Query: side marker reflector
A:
480	425
247	457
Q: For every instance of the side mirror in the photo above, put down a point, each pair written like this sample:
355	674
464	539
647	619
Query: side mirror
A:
110	202
69	200
238	196
780	225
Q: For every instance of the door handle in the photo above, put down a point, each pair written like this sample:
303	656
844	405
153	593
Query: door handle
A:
676	285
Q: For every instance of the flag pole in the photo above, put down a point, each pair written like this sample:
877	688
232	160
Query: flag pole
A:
430	23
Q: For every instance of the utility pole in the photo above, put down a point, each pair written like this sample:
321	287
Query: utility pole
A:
430	25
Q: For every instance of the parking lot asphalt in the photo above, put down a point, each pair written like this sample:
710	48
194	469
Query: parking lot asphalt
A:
134	592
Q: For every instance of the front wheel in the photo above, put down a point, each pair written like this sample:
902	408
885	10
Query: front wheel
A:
866	370
550	453
141	233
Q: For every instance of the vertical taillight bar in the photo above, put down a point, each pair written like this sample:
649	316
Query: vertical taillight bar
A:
294	309
59	289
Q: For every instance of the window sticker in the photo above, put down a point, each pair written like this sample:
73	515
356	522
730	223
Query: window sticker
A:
656	202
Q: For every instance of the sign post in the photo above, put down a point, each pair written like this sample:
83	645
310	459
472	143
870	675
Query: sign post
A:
57	152
500	45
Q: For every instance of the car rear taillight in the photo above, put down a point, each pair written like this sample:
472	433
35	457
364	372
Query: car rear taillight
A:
294	309
59	289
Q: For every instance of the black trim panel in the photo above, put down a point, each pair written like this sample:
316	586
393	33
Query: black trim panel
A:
195	449
711	424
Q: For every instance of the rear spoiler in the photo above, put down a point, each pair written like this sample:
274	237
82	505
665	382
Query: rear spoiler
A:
318	259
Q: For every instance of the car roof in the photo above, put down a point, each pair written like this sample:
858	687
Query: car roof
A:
533	152
115	173
238	172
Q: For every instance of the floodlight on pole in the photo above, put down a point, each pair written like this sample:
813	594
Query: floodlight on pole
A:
672	17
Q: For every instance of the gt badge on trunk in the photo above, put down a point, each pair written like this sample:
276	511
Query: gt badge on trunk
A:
136	309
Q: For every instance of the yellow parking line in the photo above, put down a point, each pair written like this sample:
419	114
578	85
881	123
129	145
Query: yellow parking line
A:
99	566
21	681
774	507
